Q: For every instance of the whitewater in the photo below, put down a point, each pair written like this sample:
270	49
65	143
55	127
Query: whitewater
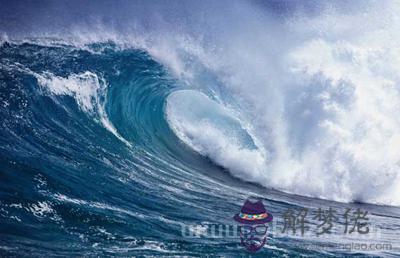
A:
132	117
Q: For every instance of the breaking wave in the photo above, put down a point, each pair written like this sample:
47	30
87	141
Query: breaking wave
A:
293	103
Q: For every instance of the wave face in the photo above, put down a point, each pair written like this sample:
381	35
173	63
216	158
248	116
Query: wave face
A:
86	150
130	127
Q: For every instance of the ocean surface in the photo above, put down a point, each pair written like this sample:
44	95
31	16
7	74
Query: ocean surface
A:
124	123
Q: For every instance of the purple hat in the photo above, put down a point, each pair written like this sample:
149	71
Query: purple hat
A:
253	213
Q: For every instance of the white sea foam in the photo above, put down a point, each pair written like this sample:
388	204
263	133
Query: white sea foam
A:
322	94
87	89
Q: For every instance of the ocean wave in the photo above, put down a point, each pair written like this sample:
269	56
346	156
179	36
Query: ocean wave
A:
306	113
120	128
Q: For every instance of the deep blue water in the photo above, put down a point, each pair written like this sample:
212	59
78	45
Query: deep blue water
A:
69	186
124	124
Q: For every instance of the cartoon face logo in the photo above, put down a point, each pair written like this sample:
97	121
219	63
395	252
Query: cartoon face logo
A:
252	221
